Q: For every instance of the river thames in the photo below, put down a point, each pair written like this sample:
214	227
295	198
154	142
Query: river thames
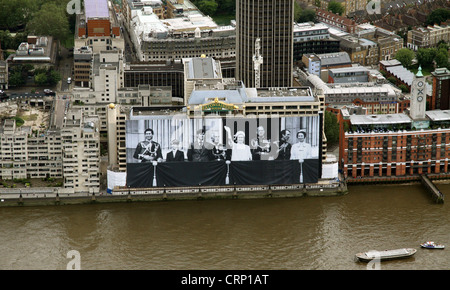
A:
306	233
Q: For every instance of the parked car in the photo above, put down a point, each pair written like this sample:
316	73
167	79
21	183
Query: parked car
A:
69	80
49	92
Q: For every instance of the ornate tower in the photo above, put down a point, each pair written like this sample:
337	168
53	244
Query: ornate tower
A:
418	101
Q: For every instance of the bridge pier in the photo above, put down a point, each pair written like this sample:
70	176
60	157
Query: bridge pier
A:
437	195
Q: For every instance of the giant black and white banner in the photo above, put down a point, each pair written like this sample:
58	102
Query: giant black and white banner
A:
213	150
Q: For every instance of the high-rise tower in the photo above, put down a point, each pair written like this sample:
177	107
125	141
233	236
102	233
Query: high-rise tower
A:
272	22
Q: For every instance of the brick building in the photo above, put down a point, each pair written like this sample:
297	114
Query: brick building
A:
397	145
340	22
441	89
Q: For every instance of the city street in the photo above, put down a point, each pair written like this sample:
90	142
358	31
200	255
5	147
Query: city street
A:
65	69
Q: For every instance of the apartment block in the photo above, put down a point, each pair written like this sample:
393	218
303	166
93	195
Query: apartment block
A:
441	89
3	75
27	154
430	36
80	139
187	35
313	38
337	21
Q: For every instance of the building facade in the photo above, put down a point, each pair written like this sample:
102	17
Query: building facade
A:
313	38
441	89
397	145
271	21
430	36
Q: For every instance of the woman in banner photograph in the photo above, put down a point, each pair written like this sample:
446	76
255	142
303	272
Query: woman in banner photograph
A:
239	150
301	150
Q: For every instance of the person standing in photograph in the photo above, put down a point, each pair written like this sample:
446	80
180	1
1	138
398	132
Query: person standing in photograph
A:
148	150
301	150
198	151
239	150
218	150
284	147
260	146
175	154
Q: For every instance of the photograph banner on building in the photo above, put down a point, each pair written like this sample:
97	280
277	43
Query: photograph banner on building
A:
213	150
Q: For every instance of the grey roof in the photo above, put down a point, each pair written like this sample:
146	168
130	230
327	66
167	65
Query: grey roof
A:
438	115
334	58
349	69
391	62
202	68
401	73
199	97
96	8
380	119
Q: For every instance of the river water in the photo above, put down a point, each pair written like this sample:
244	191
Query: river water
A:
259	234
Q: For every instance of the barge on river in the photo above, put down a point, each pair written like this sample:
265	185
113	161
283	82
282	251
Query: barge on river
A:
386	254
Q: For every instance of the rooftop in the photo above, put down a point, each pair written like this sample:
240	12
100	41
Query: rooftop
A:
385	119
202	68
438	115
96	9
334	58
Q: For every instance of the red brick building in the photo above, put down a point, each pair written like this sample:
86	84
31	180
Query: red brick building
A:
385	146
97	20
337	21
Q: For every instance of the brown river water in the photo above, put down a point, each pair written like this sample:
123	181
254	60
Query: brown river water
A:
306	233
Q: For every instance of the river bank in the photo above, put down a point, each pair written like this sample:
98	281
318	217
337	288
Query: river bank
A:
176	194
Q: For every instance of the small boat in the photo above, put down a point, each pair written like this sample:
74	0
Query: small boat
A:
432	245
386	254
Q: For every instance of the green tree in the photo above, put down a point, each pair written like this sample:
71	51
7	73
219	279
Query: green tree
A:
307	15
405	56
53	77
226	6
15	13
51	20
404	88
438	16
16	79
441	58
331	128
297	11
208	7
425	56
40	79
336	7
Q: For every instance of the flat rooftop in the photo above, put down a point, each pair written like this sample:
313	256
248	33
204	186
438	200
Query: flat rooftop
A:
380	119
96	9
438	115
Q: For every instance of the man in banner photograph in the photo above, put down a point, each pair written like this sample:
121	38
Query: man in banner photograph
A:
148	150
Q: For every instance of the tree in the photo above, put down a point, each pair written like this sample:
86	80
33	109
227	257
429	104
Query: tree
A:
40	79
228	6
16	79
425	56
208	7
307	15
405	57
437	16
297	11
404	88
336	7
331	127
441	58
50	20
53	77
